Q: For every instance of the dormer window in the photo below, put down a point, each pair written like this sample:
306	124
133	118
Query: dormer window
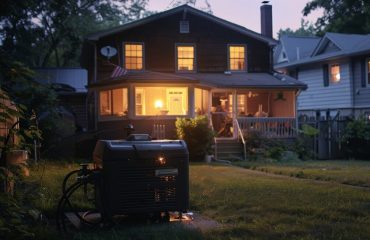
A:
185	58
237	58
134	53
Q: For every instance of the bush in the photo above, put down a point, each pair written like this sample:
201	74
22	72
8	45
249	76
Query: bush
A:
253	140
197	134
275	152
289	156
356	139
304	144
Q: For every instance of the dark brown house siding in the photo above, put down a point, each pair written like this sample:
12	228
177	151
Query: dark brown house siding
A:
211	41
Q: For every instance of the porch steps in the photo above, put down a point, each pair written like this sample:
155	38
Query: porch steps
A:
228	149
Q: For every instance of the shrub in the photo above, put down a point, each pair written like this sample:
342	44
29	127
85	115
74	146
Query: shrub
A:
197	134
356	139
275	152
303	146
253	140
289	156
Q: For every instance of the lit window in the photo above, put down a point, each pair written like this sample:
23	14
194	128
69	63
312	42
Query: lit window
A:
201	99
368	71
134	56
185	58
113	102
237	58
241	104
334	73
153	101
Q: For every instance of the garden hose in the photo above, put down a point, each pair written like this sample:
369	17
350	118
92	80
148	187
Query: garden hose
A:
85	177
64	185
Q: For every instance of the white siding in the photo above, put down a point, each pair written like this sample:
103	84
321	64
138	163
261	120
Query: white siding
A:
317	96
362	94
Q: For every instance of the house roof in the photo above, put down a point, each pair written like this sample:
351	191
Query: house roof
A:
348	45
220	80
292	44
250	80
96	36
63	78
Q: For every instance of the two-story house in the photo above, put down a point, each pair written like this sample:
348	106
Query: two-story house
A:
184	62
336	69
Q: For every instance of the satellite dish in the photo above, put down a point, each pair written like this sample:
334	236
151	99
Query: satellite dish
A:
108	51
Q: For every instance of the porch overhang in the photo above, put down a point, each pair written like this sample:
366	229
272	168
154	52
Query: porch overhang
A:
209	80
248	80
148	77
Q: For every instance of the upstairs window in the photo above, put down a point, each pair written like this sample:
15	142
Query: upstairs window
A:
185	58
335	73
134	56
237	58
113	102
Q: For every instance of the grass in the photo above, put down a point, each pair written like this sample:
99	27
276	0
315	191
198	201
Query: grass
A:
350	172
254	206
248	204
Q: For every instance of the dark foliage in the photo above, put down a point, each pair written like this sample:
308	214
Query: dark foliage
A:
344	16
197	134
356	139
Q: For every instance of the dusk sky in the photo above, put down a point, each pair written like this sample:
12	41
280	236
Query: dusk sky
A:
286	13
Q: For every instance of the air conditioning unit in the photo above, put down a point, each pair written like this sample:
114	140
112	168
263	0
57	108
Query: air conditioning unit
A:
142	176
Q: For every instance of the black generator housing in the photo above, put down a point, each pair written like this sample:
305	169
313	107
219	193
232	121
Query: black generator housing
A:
142	176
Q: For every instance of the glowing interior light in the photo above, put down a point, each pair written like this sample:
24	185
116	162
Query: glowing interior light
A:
161	160
158	104
337	76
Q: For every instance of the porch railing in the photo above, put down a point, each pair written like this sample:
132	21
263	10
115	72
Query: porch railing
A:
272	127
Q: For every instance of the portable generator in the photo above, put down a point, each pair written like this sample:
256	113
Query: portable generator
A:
136	176
139	175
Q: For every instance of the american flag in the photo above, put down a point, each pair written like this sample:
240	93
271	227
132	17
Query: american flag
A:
118	72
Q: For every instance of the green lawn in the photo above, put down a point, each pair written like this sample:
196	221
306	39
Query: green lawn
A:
347	172
249	205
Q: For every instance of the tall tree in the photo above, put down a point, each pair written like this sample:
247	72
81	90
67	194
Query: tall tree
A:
345	16
50	33
203	5
306	29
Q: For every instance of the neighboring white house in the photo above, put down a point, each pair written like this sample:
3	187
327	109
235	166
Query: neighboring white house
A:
336	69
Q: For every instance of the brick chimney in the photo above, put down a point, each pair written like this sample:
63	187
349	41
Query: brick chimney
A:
266	19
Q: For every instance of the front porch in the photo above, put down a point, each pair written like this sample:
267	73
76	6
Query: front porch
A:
232	112
270	112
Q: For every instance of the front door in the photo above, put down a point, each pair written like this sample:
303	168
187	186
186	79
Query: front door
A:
222	114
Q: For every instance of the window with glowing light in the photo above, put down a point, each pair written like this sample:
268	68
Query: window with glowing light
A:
156	101
201	101
113	102
185	58
335	73
134	56
237	55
